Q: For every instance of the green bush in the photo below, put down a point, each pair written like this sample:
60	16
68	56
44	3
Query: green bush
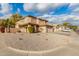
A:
73	27
30	29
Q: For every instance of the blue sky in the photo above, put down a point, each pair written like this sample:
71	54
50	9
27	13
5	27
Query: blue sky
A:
32	9
53	12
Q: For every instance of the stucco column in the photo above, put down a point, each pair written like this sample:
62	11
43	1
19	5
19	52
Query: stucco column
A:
16	26
35	28
46	29
5	30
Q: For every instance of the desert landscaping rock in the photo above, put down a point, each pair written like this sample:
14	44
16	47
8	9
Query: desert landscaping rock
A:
20	39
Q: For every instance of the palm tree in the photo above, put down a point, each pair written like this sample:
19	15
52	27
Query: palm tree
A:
12	21
8	25
14	18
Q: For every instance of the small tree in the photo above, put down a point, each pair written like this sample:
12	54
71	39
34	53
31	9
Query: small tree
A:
66	24
2	26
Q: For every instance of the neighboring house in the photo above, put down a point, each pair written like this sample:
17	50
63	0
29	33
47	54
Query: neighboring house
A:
58	27
39	25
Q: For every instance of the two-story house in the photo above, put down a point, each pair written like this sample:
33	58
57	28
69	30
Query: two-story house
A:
39	25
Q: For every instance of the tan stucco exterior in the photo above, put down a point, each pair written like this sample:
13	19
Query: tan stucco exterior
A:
40	25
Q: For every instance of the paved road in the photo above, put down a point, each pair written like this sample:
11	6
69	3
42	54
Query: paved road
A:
49	44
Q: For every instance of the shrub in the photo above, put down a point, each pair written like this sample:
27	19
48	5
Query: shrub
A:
73	27
30	29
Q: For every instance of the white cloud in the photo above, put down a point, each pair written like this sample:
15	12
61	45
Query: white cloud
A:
74	7
5	16
75	11
74	19
41	7
5	8
29	6
18	10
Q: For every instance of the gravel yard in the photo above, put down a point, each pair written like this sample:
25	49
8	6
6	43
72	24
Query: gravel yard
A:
34	44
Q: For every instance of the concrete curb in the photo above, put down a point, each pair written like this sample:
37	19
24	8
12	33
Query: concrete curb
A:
38	52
